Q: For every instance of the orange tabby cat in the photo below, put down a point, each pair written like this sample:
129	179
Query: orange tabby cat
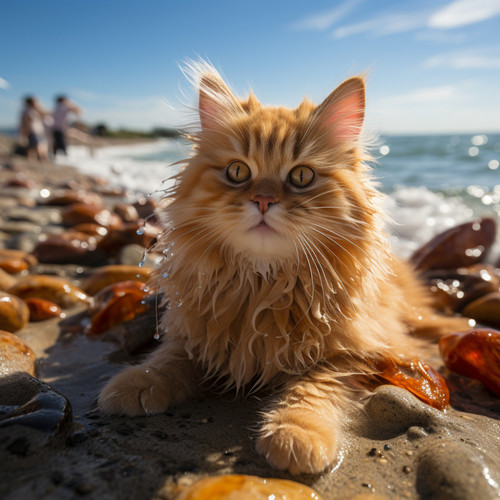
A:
279	273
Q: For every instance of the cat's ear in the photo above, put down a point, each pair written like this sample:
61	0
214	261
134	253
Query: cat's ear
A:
216	101
342	113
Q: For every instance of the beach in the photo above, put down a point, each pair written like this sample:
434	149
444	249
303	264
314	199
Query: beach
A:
54	443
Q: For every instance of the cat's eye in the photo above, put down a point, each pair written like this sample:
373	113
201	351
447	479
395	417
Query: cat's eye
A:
238	172
301	176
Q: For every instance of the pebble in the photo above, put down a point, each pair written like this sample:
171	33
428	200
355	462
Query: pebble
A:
14	313
57	290
42	309
459	246
455	472
6	280
79	213
107	275
227	487
485	310
15	355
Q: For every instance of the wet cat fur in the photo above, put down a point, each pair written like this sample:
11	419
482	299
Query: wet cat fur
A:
299	293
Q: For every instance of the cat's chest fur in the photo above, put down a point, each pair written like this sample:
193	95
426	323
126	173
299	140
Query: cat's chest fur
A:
248	328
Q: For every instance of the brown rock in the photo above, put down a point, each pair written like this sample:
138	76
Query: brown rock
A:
14	313
116	304
107	275
452	290
57	290
71	247
126	212
131	232
79	213
42	309
15	355
13	266
6	280
91	228
485	310
459	246
6	253
69	197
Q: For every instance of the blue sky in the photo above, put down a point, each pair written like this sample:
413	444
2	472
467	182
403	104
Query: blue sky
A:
433	65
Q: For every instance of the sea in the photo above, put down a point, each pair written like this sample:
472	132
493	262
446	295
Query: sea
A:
431	182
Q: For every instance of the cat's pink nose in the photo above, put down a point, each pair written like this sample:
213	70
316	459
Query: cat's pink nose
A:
264	202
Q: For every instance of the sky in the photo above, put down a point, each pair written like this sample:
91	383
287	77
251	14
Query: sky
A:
433	66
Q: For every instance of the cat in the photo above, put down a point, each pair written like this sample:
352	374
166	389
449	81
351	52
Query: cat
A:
277	273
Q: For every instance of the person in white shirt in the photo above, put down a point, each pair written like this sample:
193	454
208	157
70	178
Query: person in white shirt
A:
60	126
33	129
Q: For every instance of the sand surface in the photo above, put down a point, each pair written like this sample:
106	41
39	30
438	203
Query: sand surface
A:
395	447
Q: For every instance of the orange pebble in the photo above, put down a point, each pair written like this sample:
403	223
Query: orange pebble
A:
419	378
247	488
475	354
41	309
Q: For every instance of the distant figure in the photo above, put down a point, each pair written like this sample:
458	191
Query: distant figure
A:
33	129
60	127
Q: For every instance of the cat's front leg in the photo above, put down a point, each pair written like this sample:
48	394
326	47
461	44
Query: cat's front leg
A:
300	429
166	378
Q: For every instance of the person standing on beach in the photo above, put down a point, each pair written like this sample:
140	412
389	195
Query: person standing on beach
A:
60	126
33	129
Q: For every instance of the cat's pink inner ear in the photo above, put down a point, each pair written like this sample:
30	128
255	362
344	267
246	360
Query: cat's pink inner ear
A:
342	113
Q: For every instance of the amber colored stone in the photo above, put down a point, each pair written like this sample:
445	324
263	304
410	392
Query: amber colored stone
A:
14	313
229	487
126	212
70	196
453	289
107	275
13	266
117	303
131	232
57	290
15	355
475	354
417	377
6	280
485	310
71	247
21	182
459	246
42	309
79	213
7	253
91	228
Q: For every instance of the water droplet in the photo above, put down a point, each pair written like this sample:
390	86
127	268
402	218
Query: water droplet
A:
156	336
147	370
140	230
146	289
179	304
165	275
143	302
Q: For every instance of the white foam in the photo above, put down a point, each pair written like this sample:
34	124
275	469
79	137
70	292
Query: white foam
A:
126	166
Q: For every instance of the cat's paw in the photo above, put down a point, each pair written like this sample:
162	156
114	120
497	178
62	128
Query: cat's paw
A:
297	440
137	390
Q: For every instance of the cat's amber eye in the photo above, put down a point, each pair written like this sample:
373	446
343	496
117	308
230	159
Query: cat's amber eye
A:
301	176
238	172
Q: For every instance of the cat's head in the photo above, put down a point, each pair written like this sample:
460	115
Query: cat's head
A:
271	183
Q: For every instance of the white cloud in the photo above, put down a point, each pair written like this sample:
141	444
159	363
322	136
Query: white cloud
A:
422	95
4	84
323	20
463	12
385	25
463	60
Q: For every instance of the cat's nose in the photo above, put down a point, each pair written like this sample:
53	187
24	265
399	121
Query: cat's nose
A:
264	202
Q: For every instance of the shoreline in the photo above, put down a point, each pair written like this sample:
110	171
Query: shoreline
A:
417	449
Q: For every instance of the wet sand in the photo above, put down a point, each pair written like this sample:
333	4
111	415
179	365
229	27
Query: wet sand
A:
395	447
